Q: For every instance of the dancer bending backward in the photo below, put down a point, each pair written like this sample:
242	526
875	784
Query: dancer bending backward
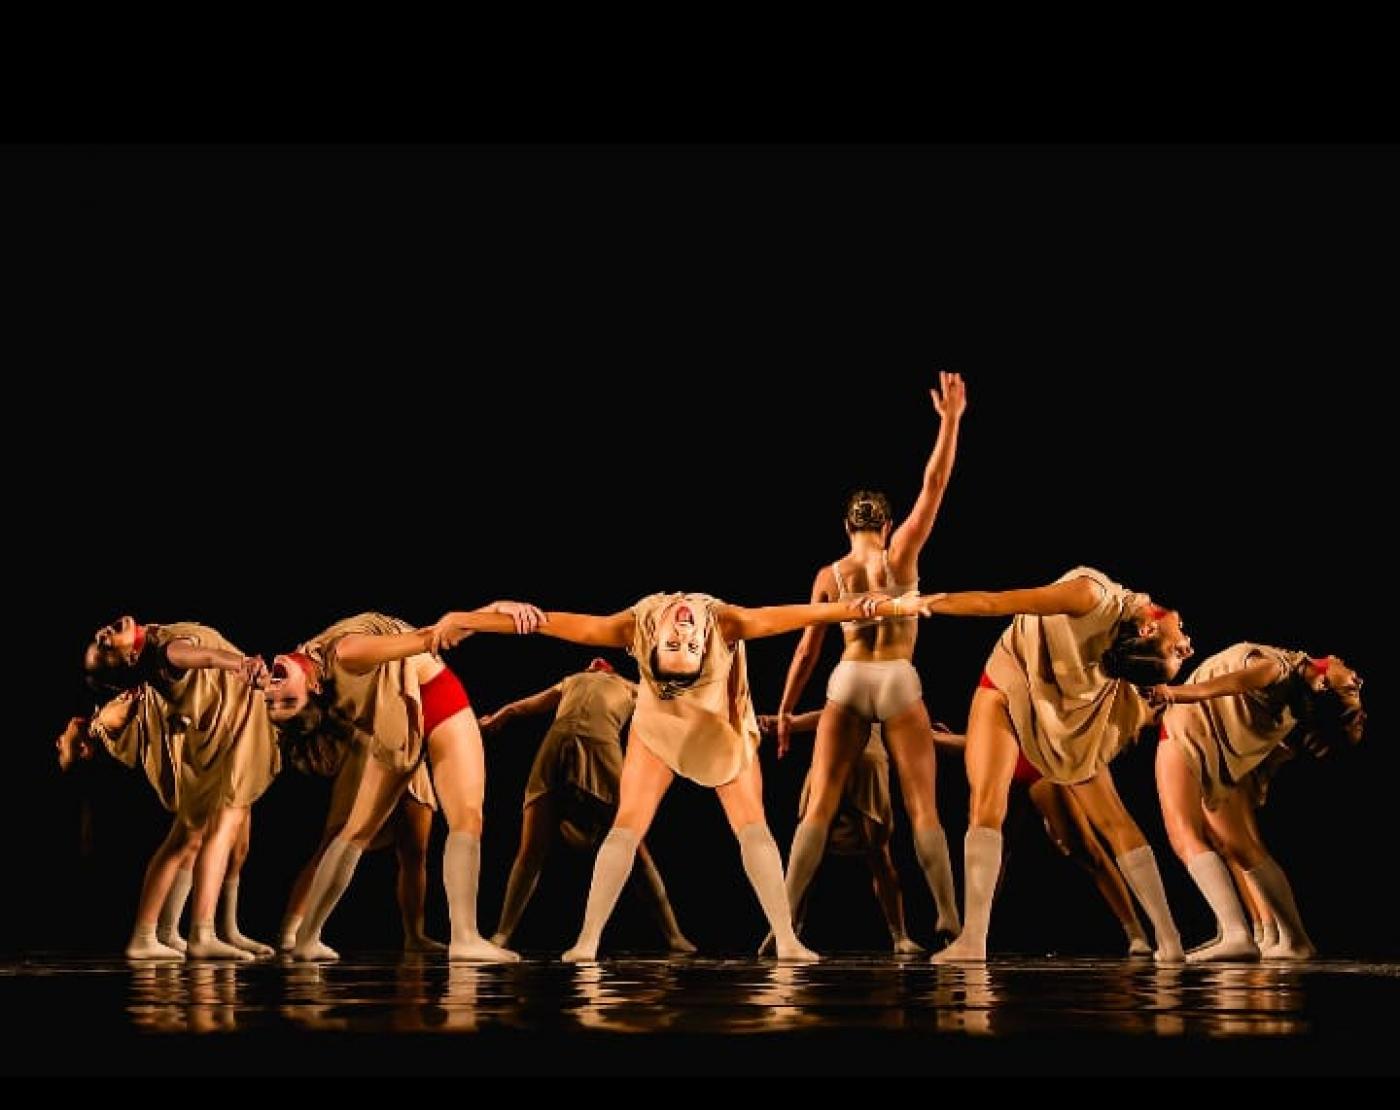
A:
379	675
573	787
1221	730
695	718
876	679
189	715
1060	688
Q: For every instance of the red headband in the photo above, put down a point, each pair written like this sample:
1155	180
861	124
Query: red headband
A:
308	668
601	664
139	639
1321	665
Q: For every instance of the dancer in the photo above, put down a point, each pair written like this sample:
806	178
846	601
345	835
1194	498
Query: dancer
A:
1219	728
380	676
863	826
876	679
409	829
694	717
1060	687
189	714
573	787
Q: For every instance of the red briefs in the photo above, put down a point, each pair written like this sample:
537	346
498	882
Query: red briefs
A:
442	697
1025	772
1161	733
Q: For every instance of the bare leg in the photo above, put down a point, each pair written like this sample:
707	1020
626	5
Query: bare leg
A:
537	825
378	794
413	828
887	891
1105	810
908	736
172	854
459	774
841	736
228	930
991	761
1070	831
225	828
742	799
646	879
645	780
1232	825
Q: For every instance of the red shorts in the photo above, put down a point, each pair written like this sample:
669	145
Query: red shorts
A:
442	697
1161	733
1025	772
985	682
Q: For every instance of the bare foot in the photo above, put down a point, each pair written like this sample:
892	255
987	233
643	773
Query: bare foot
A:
1169	952
212	948
481	950
961	951
1231	946
680	945
171	939
581	954
314	950
420	943
906	946
148	948
1138	946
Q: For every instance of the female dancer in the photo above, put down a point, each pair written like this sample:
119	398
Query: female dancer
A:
194	721
1060	688
1238	708
876	680
380	676
573	787
694	717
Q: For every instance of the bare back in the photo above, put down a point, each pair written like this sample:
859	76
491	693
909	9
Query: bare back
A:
873	570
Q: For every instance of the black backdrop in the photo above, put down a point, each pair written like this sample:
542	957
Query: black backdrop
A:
268	387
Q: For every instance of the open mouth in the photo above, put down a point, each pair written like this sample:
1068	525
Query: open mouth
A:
684	615
279	671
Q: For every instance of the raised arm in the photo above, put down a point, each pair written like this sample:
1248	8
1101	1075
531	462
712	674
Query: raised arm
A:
1253	676
804	659
1074	598
546	701
909	538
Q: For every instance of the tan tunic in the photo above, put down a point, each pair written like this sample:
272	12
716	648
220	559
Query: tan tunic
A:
384	703
706	731
1070	718
867	794
1226	740
203	736
582	751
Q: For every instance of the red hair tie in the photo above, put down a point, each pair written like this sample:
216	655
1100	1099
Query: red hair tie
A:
308	668
1156	612
1321	665
139	638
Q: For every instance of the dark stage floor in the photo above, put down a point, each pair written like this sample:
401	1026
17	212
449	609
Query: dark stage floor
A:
846	1015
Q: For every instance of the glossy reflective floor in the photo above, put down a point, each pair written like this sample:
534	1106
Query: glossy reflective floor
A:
852	1015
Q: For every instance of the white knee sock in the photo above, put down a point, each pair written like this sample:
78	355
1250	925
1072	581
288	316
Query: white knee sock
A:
333	875
461	872
1234	940
228	922
981	867
931	846
1266	934
287	932
168	928
1272	884
808	846
616	855
1139	867
764	867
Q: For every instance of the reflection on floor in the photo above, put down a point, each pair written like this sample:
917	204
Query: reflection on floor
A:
858	1014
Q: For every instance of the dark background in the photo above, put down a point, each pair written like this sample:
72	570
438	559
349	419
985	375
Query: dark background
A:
265	388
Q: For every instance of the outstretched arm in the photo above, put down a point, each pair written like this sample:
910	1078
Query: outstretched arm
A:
739	623
804	659
1253	676
909	538
184	655
546	701
1074	598
578	628
360	652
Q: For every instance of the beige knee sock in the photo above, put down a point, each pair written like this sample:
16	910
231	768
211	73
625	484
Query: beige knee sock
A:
168	928
931	847
616	855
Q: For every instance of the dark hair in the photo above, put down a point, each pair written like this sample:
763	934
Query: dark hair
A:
314	741
671	678
1135	658
106	679
1328	721
867	511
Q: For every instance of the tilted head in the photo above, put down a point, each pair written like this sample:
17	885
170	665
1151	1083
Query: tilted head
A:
681	635
290	684
1149	647
109	661
1331	715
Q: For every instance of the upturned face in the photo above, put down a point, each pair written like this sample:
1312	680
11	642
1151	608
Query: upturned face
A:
680	640
287	691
